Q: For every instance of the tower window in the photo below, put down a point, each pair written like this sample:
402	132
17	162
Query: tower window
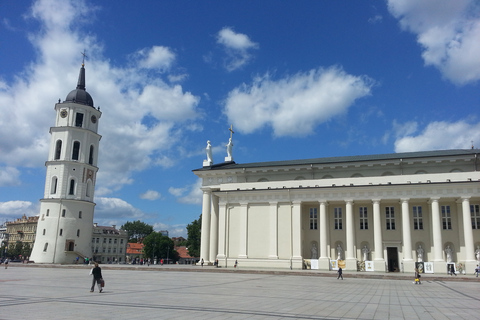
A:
48	212
44	231
80	215
64	211
61	232
78	232
45	247
54	185
76	150
58	150
72	187
79	120
90	156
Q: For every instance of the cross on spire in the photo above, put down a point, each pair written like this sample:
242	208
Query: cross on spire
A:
84	54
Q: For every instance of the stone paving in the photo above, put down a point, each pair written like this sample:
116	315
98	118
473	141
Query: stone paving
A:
173	292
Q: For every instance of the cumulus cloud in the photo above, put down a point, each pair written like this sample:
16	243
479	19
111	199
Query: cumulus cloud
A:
448	32
140	110
150	195
237	46
16	209
9	176
191	194
438	135
157	57
294	105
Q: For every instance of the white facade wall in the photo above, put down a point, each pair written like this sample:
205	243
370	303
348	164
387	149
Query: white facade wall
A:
264	211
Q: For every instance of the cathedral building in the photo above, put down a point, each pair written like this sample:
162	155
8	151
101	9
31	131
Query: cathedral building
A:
65	224
384	213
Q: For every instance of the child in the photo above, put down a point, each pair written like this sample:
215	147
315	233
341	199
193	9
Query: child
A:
417	277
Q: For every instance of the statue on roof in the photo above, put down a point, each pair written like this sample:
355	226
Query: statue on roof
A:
208	150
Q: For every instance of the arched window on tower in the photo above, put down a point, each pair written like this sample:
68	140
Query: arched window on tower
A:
53	189
72	187
76	150
90	156
58	150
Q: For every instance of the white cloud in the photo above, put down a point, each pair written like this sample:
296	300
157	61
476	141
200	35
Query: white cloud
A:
437	135
294	105
16	209
157	57
237	46
9	176
141	112
150	195
191	194
448	32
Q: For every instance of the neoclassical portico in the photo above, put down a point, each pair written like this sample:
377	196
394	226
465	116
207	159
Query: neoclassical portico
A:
271	215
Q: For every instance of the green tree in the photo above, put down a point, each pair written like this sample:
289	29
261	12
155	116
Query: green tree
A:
194	232
159	246
137	230
16	250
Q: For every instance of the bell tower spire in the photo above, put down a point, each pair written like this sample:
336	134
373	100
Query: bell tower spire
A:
64	230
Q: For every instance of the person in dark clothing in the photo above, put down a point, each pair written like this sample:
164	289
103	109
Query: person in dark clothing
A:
340	273
97	277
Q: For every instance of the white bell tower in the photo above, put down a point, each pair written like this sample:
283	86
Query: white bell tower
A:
65	225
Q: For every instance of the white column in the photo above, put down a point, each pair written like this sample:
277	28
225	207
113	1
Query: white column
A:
377	230
214	229
273	230
243	231
222	231
350	232
467	230
436	230
205	240
297	230
406	230
323	230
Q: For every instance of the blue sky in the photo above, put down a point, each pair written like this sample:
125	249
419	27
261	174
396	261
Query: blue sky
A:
296	79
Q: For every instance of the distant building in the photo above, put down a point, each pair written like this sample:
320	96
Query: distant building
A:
183	256
22	229
109	245
134	251
164	232
178	240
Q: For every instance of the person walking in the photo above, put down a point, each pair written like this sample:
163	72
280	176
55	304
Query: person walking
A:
97	277
6	263
202	262
340	273
477	270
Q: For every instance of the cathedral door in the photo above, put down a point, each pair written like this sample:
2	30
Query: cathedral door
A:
392	258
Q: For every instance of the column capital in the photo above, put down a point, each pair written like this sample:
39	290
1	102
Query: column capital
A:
434	199
349	201
376	200
206	189
464	199
402	200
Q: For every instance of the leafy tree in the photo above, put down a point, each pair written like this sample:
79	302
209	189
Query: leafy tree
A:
159	246
16	250
194	231
137	230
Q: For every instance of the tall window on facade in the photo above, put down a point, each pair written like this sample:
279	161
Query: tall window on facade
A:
58	150
44	231
64	212
76	150
78	232
446	218
80	215
48	212
363	218
61	232
337	218
79	120
72	187
53	189
475	214
313	219
417	218
390	218
45	247
90	156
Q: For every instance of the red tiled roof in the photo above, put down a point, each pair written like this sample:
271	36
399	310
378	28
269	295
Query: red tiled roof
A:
183	252
134	248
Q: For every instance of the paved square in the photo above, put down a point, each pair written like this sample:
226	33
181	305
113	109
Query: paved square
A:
63	293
